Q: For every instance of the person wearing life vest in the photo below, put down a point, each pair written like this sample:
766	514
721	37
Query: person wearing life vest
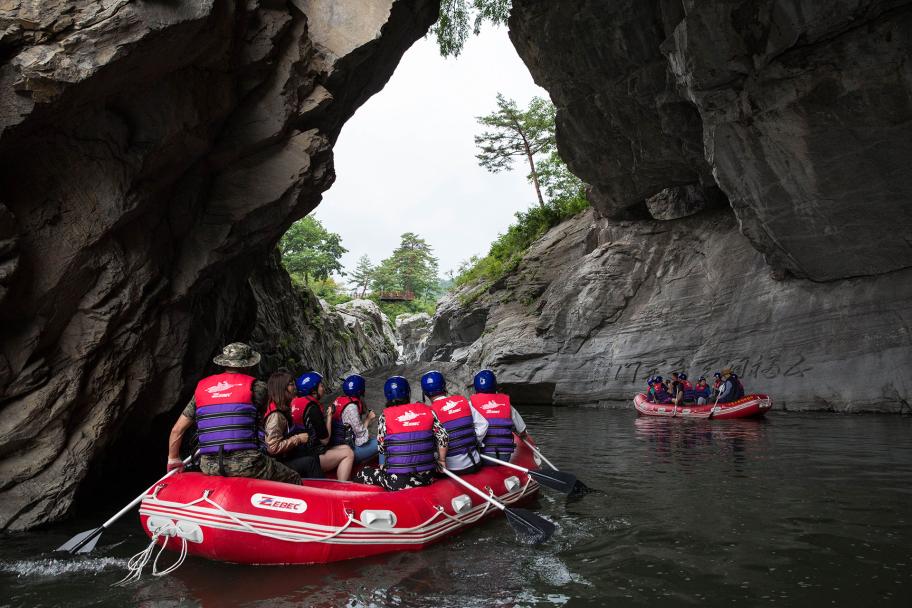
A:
728	391
658	393
307	413
503	419
350	419
465	427
685	390
285	441
739	388
411	438
702	391
226	410
717	384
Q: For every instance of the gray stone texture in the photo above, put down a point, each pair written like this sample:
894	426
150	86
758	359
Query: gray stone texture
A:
599	305
151	154
411	335
800	112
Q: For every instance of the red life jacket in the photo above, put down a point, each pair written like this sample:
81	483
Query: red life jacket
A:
498	411
299	406
342	402
226	417
455	414
409	442
341	432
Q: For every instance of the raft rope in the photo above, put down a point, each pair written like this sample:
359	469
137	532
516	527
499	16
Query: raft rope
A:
138	562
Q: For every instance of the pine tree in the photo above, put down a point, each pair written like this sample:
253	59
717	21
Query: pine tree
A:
517	133
362	275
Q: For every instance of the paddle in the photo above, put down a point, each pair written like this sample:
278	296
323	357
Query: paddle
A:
556	480
527	525
578	488
84	542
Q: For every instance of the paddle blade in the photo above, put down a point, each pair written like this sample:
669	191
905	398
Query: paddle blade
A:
529	527
83	542
556	480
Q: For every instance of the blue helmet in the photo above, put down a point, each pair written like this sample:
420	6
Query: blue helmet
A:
353	386
702	377
396	388
485	381
650	380
433	383
657	379
682	376
717	375
308	383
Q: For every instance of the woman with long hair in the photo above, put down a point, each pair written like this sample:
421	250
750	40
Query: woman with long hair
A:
284	440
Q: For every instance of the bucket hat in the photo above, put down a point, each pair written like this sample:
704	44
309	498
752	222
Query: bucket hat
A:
237	354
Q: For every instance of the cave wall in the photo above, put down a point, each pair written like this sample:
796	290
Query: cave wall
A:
799	112
151	154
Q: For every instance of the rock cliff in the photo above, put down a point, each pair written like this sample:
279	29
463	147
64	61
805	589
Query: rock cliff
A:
799	111
151	154
748	170
598	305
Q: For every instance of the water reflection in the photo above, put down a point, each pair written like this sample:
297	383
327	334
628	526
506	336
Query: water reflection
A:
796	510
692	442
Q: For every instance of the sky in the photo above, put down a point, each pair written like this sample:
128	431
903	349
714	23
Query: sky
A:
406	161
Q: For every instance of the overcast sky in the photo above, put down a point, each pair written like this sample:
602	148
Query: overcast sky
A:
406	161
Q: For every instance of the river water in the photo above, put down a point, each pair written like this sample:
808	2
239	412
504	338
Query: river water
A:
798	509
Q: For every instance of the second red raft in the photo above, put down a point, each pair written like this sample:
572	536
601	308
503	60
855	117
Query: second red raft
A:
749	406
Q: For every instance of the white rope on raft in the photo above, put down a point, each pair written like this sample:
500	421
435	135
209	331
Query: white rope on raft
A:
138	562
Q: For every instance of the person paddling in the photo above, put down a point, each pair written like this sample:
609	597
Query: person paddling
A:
503	419
464	425
226	409
412	439
307	412
284	440
350	419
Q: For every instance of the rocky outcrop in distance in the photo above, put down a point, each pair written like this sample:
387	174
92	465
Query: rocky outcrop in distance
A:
411	335
598	305
798	112
298	332
151	155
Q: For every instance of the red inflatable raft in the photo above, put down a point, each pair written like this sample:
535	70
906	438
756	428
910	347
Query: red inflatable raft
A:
250	521
746	407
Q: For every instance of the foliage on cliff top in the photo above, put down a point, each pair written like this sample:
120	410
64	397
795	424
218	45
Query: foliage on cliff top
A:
310	251
460	17
561	195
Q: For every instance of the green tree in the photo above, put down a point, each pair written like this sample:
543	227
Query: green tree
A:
516	133
415	266
309	249
384	278
361	277
453	24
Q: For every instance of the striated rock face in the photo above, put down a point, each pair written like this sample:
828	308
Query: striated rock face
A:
297	331
151	154
411	335
800	112
597	306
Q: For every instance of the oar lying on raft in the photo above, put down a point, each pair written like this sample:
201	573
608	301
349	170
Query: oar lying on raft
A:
556	480
578	488
84	542
527	525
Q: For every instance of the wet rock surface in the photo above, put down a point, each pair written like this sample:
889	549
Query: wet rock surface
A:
599	305
411	335
151	154
800	112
